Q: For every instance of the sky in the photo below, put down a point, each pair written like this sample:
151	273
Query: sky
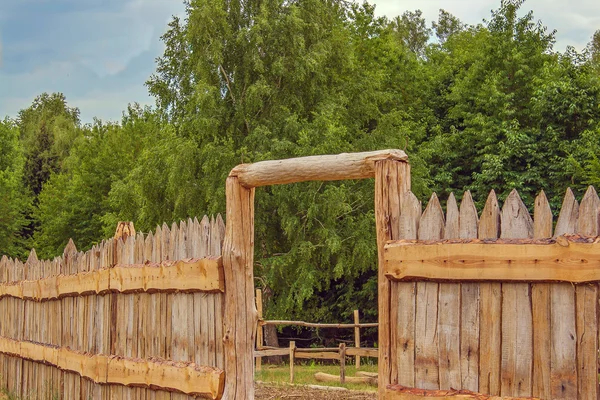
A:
99	53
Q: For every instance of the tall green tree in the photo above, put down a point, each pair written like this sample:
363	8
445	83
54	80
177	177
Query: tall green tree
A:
48	128
75	202
272	79
14	199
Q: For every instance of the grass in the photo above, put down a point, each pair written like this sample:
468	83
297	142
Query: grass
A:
5	394
304	374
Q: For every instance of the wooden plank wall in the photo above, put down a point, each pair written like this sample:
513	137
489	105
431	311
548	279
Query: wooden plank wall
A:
504	339
171	326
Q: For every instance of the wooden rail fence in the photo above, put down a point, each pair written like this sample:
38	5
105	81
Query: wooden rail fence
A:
321	353
135	316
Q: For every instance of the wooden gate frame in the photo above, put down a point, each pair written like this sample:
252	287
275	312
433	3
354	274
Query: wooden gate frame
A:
391	171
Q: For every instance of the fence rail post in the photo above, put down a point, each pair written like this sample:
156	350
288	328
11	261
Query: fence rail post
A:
342	363
357	337
292	352
259	328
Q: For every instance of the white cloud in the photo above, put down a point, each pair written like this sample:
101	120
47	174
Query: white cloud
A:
575	21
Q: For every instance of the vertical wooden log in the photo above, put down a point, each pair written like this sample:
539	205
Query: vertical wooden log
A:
357	337
259	332
586	307
517	326
342	363
405	297
540	299
469	304
240	312
431	227
292	354
391	179
563	319
449	312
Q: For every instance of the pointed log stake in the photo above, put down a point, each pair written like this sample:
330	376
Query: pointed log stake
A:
588	213
240	317
569	213
410	213
517	337
314	168
469	298
490	307
541	301
489	226
586	303
452	218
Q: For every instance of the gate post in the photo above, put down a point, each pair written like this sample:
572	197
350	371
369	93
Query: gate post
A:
240	311
392	180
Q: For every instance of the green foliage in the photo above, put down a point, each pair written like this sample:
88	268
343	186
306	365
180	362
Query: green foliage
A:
48	128
75	203
14	199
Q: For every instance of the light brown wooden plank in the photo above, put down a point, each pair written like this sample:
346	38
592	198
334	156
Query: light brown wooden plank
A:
431	227
586	307
183	377
540	299
517	325
542	262
469	305
449	313
490	308
397	392
563	320
405	293
184	275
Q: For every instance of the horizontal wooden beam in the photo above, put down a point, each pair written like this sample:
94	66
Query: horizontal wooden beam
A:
324	377
314	168
560	260
328	352
318	325
204	274
399	392
182	377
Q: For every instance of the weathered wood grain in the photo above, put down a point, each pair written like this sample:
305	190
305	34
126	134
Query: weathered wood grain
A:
184	377
586	307
540	301
314	168
563	377
410	214
517	335
490	304
240	312
392	179
554	262
469	304
431	227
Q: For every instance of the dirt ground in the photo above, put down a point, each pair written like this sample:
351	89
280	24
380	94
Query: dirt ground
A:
293	392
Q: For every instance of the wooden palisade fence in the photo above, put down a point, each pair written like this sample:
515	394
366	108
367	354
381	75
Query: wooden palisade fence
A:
503	305
139	316
460	312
